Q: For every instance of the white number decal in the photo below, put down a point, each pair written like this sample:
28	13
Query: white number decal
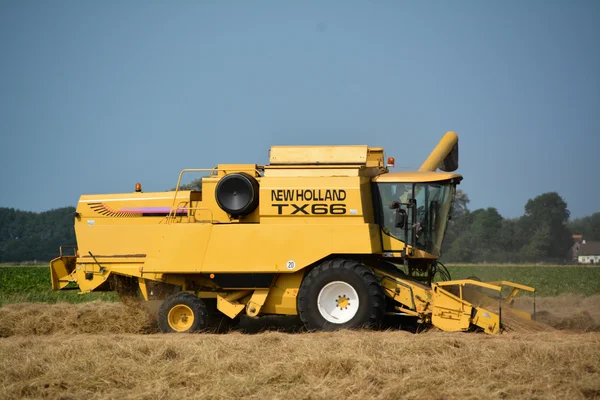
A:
291	265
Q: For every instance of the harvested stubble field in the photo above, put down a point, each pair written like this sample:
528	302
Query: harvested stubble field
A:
106	349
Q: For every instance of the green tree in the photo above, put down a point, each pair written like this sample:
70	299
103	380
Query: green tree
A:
484	233
536	248
459	222
27	236
547	213
589	227
460	205
510	240
196	184
461	250
541	234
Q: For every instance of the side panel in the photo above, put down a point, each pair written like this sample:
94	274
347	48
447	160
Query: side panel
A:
60	268
179	248
302	220
173	247
199	247
283	295
450	313
97	277
256	247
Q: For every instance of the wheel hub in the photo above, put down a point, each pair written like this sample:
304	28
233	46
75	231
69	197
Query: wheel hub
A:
181	318
342	301
338	302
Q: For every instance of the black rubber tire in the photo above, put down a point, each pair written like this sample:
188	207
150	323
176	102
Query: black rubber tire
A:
237	194
370	294
194	303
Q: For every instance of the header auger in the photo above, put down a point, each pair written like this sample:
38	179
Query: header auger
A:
324	232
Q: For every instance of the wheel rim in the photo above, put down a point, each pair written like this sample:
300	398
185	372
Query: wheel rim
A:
181	318
338	302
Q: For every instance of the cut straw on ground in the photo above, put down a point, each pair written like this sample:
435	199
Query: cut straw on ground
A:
340	365
567	312
102	350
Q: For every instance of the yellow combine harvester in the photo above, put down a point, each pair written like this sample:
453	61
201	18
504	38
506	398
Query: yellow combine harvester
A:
327	233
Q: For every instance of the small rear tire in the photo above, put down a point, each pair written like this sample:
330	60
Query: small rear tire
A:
182	313
341	294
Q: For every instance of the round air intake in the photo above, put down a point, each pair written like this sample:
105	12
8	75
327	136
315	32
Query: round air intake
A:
237	194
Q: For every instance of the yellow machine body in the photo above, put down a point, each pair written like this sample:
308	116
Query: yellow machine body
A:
311	203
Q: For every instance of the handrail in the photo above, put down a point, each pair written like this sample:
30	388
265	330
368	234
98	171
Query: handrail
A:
513	285
463	282
173	212
179	180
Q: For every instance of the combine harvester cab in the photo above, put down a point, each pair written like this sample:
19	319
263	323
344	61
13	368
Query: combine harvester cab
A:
327	233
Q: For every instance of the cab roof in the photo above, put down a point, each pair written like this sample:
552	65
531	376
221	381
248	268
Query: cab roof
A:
418	177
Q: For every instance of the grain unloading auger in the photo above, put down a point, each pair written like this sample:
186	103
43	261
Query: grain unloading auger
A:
327	233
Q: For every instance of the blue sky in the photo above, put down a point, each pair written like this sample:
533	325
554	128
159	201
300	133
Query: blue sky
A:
95	96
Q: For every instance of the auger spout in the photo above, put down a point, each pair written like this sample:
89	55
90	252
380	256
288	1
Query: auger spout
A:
444	156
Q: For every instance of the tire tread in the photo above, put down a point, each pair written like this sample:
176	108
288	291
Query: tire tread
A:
373	287
192	301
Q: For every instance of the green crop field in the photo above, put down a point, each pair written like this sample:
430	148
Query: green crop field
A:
548	281
32	283
20	284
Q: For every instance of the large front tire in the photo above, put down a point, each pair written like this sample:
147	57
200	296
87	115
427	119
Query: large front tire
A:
341	294
182	313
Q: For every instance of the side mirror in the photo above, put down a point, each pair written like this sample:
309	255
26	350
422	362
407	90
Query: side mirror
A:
400	218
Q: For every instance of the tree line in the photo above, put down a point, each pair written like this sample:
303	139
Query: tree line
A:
541	234
30	236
